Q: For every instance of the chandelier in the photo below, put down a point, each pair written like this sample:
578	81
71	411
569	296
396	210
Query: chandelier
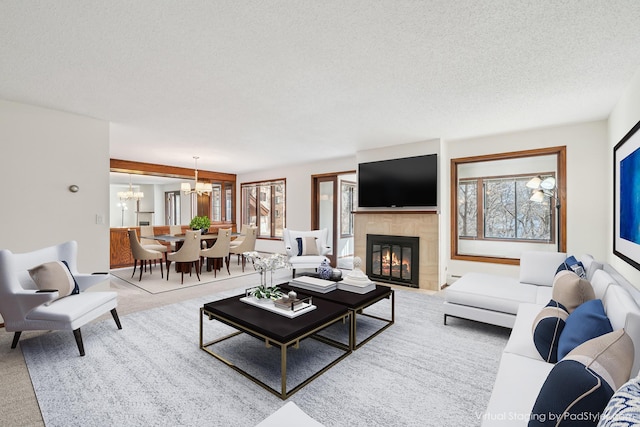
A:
129	195
200	188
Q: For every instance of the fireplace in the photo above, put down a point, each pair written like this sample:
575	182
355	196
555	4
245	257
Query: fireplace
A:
393	259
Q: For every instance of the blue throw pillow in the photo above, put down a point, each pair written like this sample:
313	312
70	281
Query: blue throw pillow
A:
586	322
547	327
572	264
76	288
579	387
570	390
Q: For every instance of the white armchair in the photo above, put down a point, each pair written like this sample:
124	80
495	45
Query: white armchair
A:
306	249
25	307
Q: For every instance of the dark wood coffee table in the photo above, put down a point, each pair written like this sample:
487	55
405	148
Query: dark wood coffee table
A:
356	303
275	330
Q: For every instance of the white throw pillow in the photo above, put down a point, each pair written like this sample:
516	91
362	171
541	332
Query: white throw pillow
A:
53	276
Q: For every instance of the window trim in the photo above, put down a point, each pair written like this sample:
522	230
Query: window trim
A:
274	213
559	151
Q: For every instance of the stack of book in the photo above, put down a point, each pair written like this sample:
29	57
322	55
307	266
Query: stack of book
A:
314	284
294	304
359	285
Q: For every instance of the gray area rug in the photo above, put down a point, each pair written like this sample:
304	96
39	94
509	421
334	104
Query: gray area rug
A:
416	373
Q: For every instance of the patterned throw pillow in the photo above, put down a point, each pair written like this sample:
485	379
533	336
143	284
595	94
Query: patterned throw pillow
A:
579	386
572	264
623	409
307	246
547	327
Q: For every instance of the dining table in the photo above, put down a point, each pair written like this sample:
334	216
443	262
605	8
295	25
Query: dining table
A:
178	239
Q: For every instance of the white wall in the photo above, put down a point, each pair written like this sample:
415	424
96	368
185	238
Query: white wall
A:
43	153
298	196
587	183
623	117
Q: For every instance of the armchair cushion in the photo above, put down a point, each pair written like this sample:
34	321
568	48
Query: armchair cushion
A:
53	275
307	246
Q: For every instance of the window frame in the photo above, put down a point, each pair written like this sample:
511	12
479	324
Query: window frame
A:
276	215
559	152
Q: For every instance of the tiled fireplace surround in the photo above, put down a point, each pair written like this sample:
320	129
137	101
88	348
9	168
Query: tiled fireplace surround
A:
403	223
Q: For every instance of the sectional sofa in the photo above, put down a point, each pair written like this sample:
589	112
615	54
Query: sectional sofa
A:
529	390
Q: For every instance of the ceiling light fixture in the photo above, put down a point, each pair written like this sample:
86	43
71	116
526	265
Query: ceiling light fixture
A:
200	188
128	195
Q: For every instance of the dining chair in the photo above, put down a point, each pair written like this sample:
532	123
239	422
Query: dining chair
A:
238	240
146	232
142	255
174	230
247	245
189	253
219	252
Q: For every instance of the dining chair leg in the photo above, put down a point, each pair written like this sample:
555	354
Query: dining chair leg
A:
161	272
168	268
226	259
141	263
197	267
135	263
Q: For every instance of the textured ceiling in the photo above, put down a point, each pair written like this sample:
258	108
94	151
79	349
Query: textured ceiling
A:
253	84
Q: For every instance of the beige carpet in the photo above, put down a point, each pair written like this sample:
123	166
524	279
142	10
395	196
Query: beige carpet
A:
155	284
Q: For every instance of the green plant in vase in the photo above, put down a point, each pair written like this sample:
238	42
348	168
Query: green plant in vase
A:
200	223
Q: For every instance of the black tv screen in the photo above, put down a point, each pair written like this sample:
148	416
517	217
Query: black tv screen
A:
405	182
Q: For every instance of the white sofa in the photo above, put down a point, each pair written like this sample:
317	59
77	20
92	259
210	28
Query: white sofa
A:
495	299
515	303
522	371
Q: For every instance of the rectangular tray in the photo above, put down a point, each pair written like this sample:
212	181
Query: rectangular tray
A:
269	306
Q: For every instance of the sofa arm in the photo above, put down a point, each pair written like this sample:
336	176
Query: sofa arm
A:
27	300
85	281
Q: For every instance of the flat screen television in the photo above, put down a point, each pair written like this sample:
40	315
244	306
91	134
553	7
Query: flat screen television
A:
405	182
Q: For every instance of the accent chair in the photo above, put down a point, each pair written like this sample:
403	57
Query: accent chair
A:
306	249
39	292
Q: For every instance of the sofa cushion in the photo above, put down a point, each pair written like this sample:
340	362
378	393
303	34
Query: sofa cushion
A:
307	246
515	390
572	264
539	268
590	265
623	408
547	327
571	290
521	337
53	275
586	322
600	281
490	292
579	386
289	415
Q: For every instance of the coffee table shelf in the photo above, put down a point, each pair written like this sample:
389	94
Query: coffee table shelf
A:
275	330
